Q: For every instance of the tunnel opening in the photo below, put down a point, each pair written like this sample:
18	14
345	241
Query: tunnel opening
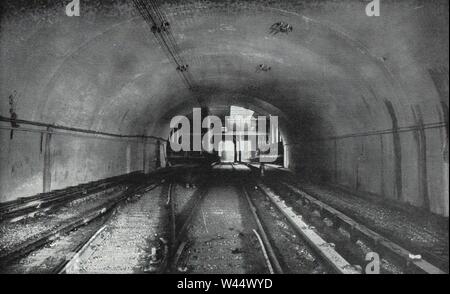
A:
238	135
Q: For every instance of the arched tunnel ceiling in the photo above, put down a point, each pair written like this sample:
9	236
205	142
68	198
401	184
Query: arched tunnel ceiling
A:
105	71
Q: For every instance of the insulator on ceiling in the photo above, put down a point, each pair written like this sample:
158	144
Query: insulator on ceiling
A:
183	68
281	27
263	67
164	27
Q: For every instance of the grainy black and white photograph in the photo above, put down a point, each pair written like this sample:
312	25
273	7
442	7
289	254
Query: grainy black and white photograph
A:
194	137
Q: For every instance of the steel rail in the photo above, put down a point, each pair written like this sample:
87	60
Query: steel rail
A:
66	266
35	243
265	242
319	245
358	230
13	204
264	250
324	249
22	209
177	244
188	221
266	245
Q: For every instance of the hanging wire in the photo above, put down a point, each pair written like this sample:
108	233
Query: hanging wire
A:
160	27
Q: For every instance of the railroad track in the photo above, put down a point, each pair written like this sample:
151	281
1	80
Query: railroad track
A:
271	257
31	206
358	231
98	215
178	226
157	258
70	265
268	255
325	250
180	222
407	261
216	241
436	254
243	213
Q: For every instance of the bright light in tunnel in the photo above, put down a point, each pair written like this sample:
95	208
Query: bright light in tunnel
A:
226	151
241	118
240	111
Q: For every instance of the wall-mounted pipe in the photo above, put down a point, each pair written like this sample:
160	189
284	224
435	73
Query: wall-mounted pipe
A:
43	132
436	125
69	129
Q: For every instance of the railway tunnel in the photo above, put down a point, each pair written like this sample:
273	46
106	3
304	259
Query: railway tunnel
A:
361	137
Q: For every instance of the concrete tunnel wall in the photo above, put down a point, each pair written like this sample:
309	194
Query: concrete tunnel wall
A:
365	99
73	160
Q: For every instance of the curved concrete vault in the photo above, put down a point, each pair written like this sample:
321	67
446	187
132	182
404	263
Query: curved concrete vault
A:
360	97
